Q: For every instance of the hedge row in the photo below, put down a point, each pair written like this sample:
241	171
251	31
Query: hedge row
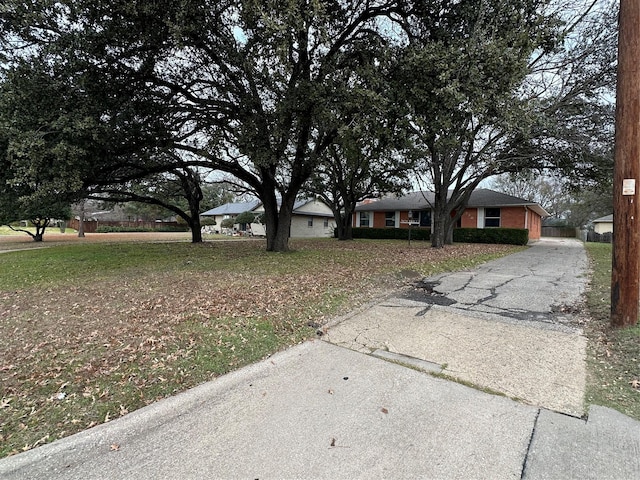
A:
123	229
507	236
391	233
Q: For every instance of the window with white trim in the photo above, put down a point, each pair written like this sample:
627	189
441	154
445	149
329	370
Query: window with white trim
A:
390	219
310	222
364	219
491	217
425	218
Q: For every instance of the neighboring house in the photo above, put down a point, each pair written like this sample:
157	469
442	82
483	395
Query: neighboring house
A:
603	224
229	210
311	217
485	209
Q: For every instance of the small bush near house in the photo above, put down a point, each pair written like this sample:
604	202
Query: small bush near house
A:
227	223
246	217
390	233
207	221
505	236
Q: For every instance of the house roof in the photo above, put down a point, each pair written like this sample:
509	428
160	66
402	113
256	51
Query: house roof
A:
605	219
305	201
481	197
232	208
238	208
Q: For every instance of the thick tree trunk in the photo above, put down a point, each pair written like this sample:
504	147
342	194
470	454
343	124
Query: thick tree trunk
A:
440	222
196	230
283	231
278	222
194	220
193	193
449	235
281	239
270	206
345	232
41	226
438	230
339	230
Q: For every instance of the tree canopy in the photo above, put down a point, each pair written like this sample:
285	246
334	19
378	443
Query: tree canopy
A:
510	92
278	93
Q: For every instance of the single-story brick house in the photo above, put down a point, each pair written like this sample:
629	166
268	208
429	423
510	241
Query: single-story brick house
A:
485	209
603	224
311	218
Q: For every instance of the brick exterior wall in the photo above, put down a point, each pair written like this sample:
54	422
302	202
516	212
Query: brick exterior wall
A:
378	220
469	218
535	226
510	217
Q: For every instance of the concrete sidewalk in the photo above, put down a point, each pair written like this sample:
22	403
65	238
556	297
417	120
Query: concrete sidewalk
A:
368	405
323	411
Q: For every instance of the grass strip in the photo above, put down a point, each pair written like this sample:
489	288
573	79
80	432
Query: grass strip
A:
613	354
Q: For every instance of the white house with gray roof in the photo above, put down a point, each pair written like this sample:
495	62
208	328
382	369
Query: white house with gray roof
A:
311	218
603	224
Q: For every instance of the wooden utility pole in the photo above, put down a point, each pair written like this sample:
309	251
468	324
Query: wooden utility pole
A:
625	292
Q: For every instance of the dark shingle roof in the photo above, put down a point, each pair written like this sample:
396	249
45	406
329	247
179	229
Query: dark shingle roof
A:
481	197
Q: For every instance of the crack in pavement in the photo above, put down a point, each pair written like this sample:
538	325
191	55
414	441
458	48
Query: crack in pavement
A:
444	319
363	333
457	297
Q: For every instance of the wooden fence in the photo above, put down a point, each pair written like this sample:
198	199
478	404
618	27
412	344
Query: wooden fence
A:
564	232
599	237
91	226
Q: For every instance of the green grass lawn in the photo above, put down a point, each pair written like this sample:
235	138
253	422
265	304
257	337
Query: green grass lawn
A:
90	332
614	354
4	230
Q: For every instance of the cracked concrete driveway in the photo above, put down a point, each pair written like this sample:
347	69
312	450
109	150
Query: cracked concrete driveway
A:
538	284
509	326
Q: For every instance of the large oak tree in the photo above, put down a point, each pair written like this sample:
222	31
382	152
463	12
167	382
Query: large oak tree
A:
244	85
518	86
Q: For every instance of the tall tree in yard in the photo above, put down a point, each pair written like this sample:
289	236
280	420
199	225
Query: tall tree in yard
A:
178	192
38	178
251	88
365	160
247	85
26	198
499	96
